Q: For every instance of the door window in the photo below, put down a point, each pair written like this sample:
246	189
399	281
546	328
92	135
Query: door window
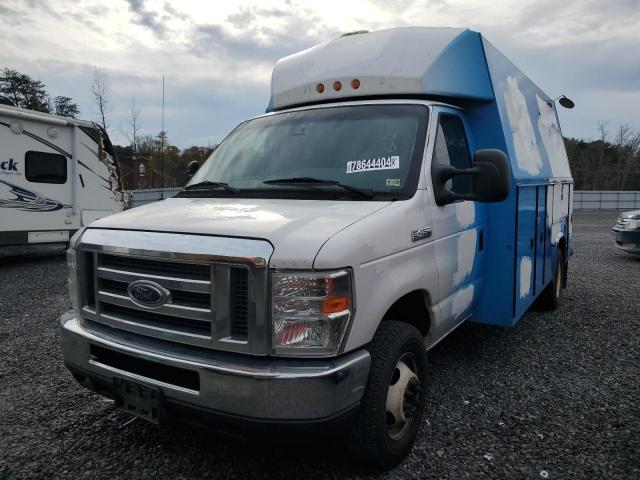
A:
42	167
452	149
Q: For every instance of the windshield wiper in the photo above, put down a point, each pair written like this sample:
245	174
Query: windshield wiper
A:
208	185
301	181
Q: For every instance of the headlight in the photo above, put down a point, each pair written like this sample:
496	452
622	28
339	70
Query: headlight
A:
72	277
72	268
633	224
311	311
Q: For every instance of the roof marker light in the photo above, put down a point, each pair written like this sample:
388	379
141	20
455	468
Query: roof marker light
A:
320	88
337	86
355	84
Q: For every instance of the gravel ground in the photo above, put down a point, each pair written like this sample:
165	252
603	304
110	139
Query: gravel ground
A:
554	397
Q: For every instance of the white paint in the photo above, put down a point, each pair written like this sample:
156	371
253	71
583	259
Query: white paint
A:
525	276
90	216
524	137
465	213
296	228
552	139
462	301
466	254
385	61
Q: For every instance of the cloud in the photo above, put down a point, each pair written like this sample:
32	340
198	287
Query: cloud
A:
148	19
260	34
218	56
174	12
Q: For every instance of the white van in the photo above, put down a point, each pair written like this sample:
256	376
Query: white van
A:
57	174
402	182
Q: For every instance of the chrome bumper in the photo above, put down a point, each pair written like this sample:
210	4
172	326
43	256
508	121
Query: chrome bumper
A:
252	388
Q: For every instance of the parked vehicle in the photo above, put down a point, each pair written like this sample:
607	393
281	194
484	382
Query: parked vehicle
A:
57	174
626	232
402	182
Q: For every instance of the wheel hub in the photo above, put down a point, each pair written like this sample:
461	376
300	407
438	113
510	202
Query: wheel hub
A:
403	398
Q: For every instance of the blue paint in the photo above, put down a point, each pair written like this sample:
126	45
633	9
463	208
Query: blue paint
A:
460	70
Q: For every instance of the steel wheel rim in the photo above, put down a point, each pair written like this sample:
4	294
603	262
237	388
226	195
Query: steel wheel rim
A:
403	396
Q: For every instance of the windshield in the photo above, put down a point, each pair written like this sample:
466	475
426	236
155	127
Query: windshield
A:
372	147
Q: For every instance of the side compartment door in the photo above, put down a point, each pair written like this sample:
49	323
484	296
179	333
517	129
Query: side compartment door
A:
525	248
540	239
458	228
549	247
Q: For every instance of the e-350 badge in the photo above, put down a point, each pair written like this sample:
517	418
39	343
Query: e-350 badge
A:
420	234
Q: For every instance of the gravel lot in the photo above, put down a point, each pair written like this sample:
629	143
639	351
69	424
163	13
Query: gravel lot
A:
557	396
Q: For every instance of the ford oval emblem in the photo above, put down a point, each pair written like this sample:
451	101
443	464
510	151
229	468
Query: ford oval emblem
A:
148	294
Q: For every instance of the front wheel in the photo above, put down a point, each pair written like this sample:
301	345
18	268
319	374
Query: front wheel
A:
393	403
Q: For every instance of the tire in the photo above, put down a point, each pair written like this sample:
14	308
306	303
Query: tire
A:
551	297
397	377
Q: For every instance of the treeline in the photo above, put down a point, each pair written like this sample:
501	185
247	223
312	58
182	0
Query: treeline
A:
612	162
148	151
23	91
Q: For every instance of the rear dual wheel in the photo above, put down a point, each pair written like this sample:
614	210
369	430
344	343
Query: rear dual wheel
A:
551	297
393	403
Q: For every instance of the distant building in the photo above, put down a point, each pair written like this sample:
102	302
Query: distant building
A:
141	175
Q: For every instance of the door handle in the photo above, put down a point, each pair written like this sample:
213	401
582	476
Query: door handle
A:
532	242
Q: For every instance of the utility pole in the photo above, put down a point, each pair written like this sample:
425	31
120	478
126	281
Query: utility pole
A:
162	135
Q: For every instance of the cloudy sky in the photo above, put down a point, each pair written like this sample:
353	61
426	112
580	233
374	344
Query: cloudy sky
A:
217	56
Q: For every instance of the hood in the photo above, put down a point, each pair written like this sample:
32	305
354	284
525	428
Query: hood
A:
296	228
634	214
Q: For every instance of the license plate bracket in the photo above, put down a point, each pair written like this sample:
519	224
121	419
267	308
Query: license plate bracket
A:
138	399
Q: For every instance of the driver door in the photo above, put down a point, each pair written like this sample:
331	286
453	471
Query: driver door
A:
458	228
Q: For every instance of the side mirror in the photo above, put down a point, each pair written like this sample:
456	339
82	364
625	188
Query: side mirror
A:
491	178
192	168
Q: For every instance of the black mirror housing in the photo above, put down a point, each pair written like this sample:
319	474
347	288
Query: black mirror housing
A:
491	178
192	168
492	183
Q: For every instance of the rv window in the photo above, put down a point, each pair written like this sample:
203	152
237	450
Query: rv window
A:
451	148
42	167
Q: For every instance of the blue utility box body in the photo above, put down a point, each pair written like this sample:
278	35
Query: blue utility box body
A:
504	109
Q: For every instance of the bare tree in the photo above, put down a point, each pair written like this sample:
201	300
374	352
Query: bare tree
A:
598	170
132	132
100	89
627	143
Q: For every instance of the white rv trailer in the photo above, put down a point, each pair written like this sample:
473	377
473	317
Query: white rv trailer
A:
57	174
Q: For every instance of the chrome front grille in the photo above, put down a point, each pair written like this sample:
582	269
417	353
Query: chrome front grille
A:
190	292
214	301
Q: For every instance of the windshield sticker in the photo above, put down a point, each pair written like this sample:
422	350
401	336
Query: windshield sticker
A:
393	182
380	163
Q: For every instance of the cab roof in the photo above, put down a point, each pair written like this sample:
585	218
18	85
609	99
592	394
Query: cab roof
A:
415	61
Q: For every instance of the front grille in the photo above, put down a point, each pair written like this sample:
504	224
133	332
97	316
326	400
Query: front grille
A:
209	303
239	306
149	266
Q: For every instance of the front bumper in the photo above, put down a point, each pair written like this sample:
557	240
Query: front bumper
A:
229	385
627	240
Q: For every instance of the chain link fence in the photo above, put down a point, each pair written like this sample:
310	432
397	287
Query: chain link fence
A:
606	200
